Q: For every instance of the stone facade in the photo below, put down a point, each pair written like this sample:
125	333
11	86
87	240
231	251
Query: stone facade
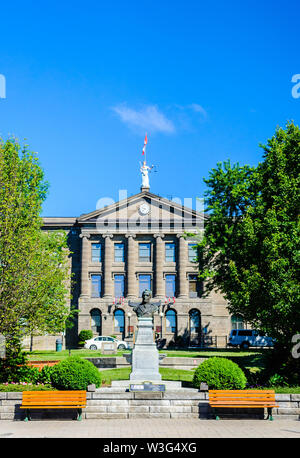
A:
186	403
162	223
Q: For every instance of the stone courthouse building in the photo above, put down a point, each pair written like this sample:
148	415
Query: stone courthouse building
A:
122	249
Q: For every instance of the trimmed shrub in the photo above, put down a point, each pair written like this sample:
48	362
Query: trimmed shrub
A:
10	365
22	373
29	374
45	374
220	374
84	335
75	373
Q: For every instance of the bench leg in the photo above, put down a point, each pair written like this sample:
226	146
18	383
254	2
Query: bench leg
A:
79	414
27	415
215	413
269	417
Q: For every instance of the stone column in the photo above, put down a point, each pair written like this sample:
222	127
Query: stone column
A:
108	256
182	260
145	357
159	266
131	266
85	256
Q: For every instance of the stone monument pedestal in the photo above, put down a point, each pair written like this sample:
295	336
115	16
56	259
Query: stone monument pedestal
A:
145	356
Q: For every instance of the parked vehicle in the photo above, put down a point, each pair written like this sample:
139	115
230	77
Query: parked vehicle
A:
245	338
96	343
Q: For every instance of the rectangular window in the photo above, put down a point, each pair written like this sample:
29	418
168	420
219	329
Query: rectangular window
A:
96	252
237	322
170	252
96	285
119	285
144	283
192	252
245	333
170	285
144	252
193	286
119	252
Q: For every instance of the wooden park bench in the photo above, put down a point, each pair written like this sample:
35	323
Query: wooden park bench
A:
53	400
243	399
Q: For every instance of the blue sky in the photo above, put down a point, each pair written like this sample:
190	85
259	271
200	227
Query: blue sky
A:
207	81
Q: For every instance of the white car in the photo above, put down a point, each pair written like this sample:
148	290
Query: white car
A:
96	343
245	338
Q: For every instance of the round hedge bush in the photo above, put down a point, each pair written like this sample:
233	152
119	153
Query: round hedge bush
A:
74	373
84	335
220	374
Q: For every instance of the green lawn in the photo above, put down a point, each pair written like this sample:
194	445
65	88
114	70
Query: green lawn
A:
252	359
50	355
42	355
286	389
185	376
19	387
166	373
210	352
248	359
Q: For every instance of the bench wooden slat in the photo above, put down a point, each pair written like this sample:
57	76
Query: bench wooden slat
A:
242	399
71	398
243	395
244	406
54	397
58	403
54	393
52	407
236	396
241	404
53	400
242	391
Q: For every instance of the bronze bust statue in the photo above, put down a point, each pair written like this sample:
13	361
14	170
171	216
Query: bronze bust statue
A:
145	308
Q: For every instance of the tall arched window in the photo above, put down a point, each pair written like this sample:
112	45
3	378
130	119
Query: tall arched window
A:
237	322
96	321
171	321
119	323
195	321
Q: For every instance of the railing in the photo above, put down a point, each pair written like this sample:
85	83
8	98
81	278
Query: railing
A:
207	341
196	342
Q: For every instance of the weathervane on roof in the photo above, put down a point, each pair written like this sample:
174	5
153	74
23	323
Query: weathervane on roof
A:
145	169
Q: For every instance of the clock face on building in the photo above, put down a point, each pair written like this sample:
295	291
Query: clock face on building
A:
144	209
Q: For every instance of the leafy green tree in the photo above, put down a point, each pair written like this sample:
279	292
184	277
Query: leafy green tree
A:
33	265
250	249
49	279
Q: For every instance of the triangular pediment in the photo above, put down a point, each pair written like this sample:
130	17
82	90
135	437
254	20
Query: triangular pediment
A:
143	208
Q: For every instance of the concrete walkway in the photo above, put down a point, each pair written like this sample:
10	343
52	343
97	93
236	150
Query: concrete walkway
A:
150	428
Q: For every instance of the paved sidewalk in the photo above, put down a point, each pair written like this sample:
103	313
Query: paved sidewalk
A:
150	428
